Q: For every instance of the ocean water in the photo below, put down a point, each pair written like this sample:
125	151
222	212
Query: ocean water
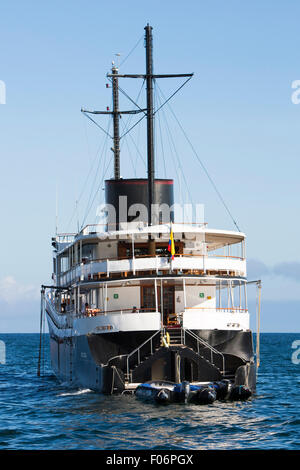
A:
40	413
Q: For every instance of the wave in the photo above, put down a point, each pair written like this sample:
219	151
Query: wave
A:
77	392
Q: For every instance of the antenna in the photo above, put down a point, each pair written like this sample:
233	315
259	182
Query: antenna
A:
118	55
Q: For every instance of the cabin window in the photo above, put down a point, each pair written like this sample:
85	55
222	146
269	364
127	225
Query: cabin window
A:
148	298
64	264
142	249
89	251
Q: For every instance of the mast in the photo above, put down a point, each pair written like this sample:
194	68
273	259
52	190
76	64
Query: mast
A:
150	119
116	187
116	119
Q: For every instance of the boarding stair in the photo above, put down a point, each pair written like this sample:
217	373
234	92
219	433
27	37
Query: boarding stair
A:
176	337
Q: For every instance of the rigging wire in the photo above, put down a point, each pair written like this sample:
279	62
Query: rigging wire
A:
202	165
130	155
83	187
104	147
100	201
98	125
132	50
130	99
129	119
99	187
126	132
169	134
161	140
139	154
123	135
91	201
172	151
102	152
130	116
137	151
173	94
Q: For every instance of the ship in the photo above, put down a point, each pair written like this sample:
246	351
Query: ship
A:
142	297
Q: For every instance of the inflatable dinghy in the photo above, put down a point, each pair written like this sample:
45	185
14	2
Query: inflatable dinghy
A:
165	392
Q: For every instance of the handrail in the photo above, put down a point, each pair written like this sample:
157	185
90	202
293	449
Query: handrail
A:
123	310
207	345
52	313
143	344
145	224
137	350
90	311
177	255
66	234
183	332
89	262
115	357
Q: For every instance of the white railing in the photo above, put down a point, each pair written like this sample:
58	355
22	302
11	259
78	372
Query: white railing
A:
105	227
125	311
85	272
60	321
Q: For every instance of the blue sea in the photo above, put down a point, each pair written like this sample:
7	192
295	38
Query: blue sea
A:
40	413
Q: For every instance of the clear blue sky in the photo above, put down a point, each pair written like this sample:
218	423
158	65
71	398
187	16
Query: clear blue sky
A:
237	111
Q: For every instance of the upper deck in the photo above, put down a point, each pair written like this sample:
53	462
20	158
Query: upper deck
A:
93	253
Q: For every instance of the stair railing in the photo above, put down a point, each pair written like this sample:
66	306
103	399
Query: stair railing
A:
204	343
138	351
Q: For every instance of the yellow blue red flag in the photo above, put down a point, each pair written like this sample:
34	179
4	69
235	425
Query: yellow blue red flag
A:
171	246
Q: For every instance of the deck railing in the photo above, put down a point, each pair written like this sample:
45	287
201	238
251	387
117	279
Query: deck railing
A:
105	267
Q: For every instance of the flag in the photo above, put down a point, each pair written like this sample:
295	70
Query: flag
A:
171	246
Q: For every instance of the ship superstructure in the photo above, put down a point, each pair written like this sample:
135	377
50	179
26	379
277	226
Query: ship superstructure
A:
124	308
